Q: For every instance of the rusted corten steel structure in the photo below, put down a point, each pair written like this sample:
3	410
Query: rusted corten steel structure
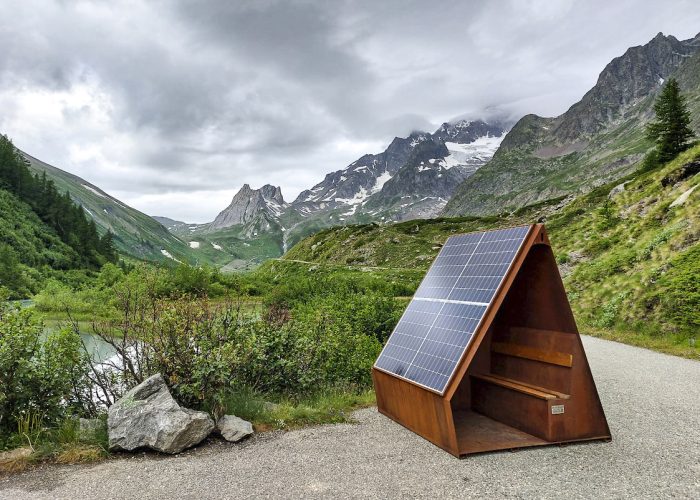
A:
523	378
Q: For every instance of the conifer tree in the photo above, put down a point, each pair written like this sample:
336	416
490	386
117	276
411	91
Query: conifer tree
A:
671	130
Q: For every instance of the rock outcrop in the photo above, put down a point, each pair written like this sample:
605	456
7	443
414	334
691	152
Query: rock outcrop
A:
148	417
233	428
249	205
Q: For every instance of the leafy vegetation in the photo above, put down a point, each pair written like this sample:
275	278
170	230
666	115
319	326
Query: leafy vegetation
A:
55	209
42	233
42	380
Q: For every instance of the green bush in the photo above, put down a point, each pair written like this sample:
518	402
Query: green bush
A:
206	350
610	310
41	377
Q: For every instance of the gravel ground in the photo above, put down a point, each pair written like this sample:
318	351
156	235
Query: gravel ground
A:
652	403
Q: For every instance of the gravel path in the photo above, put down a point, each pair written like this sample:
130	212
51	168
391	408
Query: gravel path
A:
652	402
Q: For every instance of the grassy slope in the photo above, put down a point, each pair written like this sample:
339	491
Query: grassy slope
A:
136	234
622	256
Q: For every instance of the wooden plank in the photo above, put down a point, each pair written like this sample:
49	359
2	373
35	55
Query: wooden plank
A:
521	330
521	351
478	433
558	394
514	386
515	408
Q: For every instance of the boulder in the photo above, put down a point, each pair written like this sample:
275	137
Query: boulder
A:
233	428
148	417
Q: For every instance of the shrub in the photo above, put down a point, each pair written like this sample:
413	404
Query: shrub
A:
205	350
610	310
41	377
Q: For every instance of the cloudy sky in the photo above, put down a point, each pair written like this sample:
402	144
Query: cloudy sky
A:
172	106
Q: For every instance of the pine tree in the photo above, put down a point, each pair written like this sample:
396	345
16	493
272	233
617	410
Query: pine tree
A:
671	130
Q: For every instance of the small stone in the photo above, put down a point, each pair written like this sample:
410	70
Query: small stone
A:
233	428
270	406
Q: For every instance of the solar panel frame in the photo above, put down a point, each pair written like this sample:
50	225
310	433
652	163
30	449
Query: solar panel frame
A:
444	257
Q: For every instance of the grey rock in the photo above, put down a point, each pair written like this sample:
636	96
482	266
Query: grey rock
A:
233	428
617	190
258	208
148	417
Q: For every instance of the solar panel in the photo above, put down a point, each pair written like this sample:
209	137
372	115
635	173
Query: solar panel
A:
446	310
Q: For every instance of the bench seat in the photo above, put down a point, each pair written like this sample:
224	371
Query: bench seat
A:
516	385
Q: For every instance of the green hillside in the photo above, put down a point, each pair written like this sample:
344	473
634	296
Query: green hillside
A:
42	232
135	233
628	252
29	249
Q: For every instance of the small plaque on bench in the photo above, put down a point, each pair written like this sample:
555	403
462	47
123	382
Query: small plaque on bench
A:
557	409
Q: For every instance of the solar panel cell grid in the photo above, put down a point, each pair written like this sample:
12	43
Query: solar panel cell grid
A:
446	310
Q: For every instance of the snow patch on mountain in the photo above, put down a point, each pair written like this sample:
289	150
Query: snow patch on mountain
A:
359	197
482	149
94	191
381	180
169	255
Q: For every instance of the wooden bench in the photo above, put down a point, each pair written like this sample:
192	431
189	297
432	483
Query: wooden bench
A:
517	403
529	389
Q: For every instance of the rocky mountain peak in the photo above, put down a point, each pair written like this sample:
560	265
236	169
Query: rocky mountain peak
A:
466	131
270	192
623	83
249	204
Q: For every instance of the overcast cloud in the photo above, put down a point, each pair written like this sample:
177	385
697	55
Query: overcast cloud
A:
172	106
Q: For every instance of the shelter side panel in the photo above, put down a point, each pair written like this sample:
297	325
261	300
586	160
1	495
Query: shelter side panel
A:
417	409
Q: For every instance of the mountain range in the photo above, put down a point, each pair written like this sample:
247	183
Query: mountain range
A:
413	177
464	168
598	139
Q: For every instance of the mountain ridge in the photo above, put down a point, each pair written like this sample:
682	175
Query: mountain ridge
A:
135	233
599	138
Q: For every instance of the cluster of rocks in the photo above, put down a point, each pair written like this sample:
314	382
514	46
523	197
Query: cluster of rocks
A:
149	417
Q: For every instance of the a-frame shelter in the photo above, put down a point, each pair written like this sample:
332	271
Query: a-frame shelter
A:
522	378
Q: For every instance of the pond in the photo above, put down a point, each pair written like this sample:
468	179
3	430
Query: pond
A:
98	349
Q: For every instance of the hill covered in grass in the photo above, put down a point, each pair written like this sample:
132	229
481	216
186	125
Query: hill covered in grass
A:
42	232
29	249
628	252
135	233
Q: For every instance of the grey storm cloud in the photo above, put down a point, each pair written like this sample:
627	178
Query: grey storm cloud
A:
173	105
